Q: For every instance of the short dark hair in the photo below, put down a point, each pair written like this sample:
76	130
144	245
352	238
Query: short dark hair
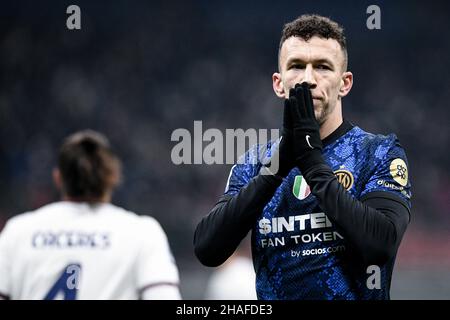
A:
89	168
309	25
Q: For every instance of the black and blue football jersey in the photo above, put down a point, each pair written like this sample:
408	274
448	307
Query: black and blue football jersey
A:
298	252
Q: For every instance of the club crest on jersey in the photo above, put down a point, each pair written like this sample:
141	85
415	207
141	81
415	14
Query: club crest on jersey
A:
345	178
399	171
300	189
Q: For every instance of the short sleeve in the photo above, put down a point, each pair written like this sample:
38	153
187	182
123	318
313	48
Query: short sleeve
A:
391	172
156	264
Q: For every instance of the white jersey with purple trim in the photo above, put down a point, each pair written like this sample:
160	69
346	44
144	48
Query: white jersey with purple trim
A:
69	250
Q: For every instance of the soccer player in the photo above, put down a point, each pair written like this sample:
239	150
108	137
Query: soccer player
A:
327	224
83	247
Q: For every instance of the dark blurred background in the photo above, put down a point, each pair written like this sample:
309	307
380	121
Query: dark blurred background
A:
137	70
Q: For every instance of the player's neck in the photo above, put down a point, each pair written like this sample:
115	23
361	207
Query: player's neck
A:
105	199
331	124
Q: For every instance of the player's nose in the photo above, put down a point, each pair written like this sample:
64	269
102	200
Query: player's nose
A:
309	78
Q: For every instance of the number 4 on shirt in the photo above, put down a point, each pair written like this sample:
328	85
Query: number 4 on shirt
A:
67	283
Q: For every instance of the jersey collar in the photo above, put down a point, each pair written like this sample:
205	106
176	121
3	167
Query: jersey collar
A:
345	127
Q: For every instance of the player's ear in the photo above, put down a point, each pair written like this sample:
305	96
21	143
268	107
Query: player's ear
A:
277	85
57	180
346	84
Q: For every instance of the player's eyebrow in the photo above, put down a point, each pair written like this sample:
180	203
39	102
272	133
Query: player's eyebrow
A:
324	61
314	61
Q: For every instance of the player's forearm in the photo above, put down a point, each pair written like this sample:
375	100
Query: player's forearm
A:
220	232
373	227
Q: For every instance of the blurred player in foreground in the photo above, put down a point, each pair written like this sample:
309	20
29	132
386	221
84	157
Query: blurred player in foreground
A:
327	224
83	247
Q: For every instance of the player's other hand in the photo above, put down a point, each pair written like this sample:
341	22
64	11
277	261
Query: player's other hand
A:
282	160
300	143
305	128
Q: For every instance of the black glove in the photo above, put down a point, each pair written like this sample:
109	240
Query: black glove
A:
307	146
282	161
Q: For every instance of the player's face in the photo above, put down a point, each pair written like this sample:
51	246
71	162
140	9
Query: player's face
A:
319	62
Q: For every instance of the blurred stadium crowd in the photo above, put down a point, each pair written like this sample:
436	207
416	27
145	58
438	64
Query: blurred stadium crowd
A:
137	71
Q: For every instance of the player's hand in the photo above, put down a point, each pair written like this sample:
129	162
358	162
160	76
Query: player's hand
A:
282	161
300	144
307	146
286	152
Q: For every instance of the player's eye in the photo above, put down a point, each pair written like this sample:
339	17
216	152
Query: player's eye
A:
297	66
323	67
